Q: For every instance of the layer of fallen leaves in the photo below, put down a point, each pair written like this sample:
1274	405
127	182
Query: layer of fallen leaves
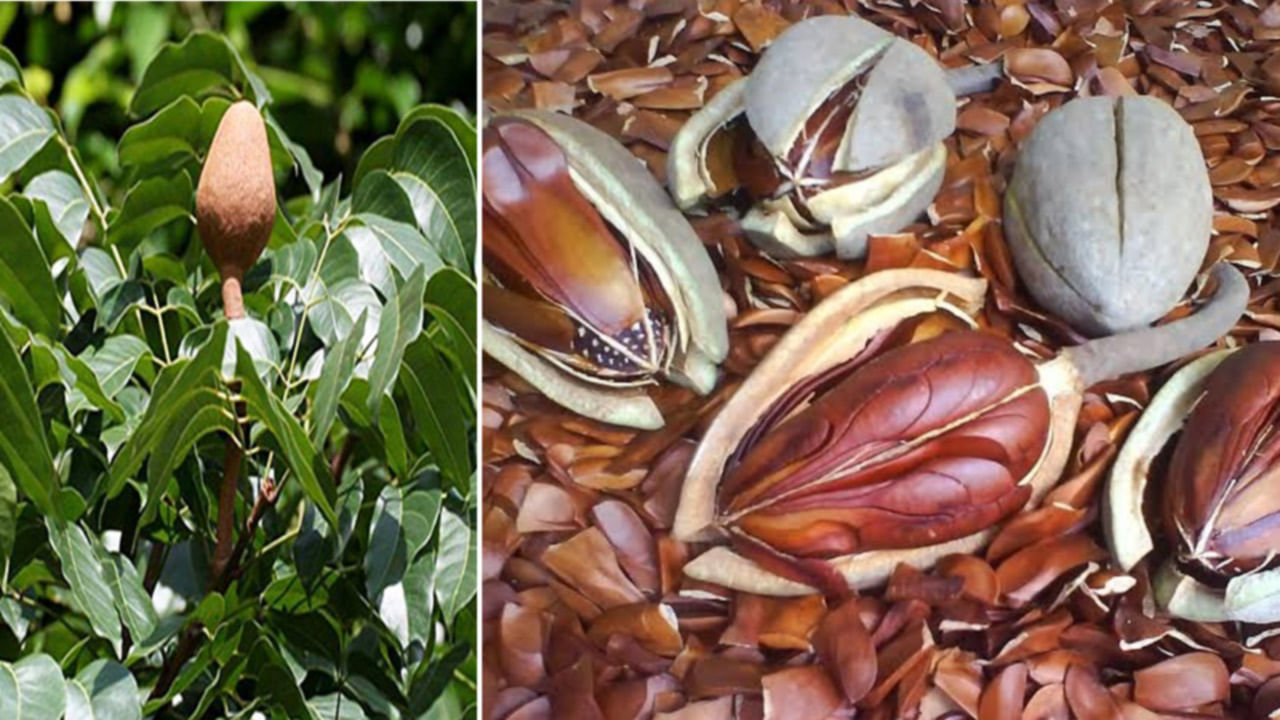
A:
586	611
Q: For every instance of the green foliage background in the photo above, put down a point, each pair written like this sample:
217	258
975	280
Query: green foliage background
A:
350	385
341	75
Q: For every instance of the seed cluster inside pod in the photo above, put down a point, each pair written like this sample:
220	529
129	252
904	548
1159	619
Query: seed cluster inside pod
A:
582	572
836	134
599	288
562	279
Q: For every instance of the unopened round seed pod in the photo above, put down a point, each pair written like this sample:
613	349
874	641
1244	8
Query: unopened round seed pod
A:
236	199
1109	211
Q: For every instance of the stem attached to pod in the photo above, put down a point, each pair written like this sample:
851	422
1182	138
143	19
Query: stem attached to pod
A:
232	298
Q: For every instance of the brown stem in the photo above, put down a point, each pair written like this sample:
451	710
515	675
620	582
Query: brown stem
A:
227	506
187	645
267	495
339	461
155	564
1111	357
232	297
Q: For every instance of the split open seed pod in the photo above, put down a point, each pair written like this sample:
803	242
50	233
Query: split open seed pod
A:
1195	488
1109	211
866	438
835	135
596	287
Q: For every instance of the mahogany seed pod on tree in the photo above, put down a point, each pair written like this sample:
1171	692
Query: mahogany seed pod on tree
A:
236	199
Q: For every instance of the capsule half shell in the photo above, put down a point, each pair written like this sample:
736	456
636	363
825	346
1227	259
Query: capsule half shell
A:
631	200
1109	211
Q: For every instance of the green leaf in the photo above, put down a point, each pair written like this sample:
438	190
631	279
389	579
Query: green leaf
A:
24	129
462	128
66	202
278	684
150	204
401	322
400	246
301	159
455	565
53	364
24	450
32	689
393	440
103	690
451	301
295	447
10	70
175	130
8	521
131	599
432	167
433	394
25	280
187	403
81	568
377	156
203	63
335	375
384	561
114	362
336	707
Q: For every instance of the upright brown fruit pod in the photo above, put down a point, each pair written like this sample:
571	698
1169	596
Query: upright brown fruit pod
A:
236	199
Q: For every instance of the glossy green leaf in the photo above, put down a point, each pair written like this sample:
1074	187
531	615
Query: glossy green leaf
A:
24	129
103	690
82	569
10	70
131	599
295	447
8	521
455	566
187	403
336	707
24	450
68	207
151	204
433	394
451	301
174	131
401	322
25	279
32	689
200	64
335	375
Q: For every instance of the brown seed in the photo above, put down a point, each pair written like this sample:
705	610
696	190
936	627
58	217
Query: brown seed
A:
236	199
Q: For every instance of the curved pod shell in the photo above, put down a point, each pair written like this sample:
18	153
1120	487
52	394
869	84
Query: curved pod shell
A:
236	198
1109	212
620	187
